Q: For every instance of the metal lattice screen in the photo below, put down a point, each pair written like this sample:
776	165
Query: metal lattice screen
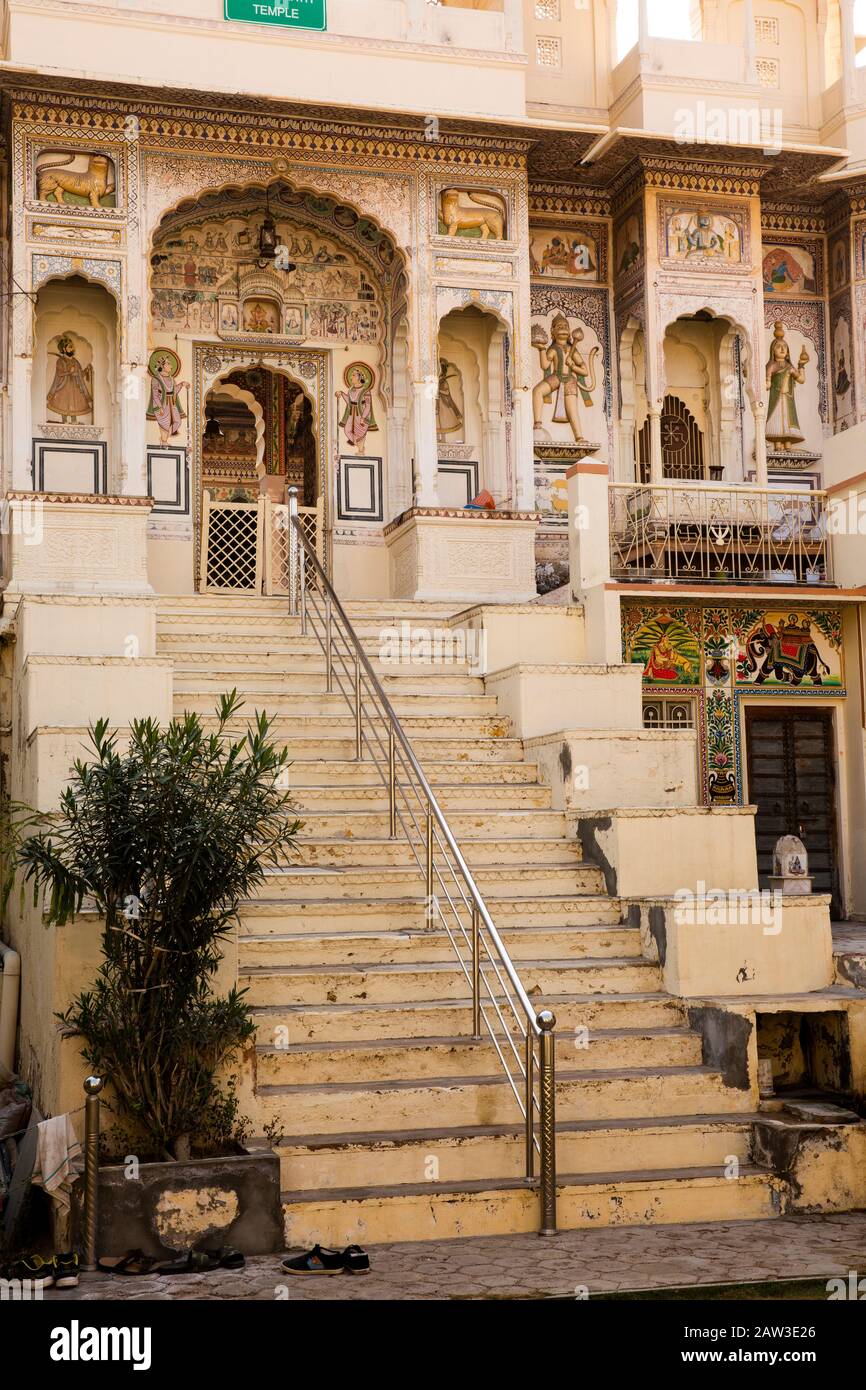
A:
231	545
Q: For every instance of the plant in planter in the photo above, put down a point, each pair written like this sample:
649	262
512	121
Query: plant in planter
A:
166	837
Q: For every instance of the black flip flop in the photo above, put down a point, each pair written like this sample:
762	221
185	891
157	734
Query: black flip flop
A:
133	1262
191	1262
226	1257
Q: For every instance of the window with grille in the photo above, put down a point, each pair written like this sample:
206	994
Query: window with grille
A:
548	53
668	714
547	9
767	71
766	29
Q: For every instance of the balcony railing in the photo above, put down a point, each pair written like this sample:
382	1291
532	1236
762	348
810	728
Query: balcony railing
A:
697	533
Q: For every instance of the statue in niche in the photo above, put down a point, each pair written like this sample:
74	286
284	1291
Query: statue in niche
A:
470	212
71	392
165	406
449	416
357	418
783	426
843	381
567	376
94	184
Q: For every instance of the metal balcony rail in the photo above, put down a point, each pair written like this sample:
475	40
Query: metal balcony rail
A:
501	1008
710	532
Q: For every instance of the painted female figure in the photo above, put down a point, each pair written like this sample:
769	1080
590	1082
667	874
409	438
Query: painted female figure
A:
783	426
357	417
449	416
165	407
71	391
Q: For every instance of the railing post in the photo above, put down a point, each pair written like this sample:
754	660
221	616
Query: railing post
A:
547	1090
392	782
429	864
476	971
529	1101
293	552
329	655
92	1087
359	747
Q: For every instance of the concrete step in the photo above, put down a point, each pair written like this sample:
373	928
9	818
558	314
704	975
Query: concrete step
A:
478	851
457	774
526	880
222	666
436	1211
398	1059
421	981
320	1022
497	825
199	692
427	945
325	727
581	1094
303	745
317	1163
314	916
476	796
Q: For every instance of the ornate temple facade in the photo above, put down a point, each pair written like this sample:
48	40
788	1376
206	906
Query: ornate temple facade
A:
534	309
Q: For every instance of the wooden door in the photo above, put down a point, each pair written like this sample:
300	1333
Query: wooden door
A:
791	767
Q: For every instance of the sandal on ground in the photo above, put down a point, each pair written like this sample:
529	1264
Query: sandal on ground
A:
133	1262
226	1257
356	1260
319	1260
190	1262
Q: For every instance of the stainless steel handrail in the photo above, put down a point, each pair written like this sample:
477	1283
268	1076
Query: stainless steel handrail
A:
531	1071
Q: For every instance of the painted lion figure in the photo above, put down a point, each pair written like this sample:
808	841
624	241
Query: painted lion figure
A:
93	183
489	216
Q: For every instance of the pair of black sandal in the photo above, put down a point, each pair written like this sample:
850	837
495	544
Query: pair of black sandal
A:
321	1260
135	1262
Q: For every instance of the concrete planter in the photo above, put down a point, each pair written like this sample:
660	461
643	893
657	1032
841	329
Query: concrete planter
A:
206	1201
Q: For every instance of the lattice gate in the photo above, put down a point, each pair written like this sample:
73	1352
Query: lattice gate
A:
245	545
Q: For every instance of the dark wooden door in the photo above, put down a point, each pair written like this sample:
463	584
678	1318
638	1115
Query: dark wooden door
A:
790	759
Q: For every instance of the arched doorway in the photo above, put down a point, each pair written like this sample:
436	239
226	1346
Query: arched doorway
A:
257	438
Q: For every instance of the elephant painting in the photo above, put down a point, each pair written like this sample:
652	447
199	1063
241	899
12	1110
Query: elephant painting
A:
785	654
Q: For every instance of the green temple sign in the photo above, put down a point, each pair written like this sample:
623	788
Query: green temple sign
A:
295	14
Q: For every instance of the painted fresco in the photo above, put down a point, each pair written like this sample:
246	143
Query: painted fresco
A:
719	655
692	234
565	253
789	270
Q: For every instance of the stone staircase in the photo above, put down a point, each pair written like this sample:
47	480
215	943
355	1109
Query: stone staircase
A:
397	1125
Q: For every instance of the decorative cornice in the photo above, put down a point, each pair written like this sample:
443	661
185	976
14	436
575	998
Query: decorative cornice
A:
90	499
791	217
271	131
456	514
569	199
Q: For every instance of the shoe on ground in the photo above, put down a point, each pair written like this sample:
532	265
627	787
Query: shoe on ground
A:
320	1260
66	1270
34	1269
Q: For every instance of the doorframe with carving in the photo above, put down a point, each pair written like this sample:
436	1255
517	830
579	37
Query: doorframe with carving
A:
308	368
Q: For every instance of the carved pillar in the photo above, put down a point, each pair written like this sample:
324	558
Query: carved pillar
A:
849	65
426	448
656	471
759	410
750	72
23	314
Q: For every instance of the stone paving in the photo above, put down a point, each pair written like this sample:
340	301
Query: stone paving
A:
617	1258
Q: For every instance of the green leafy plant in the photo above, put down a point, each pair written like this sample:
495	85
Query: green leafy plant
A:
166	839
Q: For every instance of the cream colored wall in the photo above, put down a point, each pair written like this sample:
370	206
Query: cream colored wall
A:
593	769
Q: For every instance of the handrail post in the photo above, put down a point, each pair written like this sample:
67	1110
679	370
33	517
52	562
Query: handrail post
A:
329	655
92	1087
429	864
359	747
529	1101
476	971
293	552
392	783
547	1089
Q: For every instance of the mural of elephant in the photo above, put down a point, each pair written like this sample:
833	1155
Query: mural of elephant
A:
786	654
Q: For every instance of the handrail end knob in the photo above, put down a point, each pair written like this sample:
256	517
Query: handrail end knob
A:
93	1085
545	1020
